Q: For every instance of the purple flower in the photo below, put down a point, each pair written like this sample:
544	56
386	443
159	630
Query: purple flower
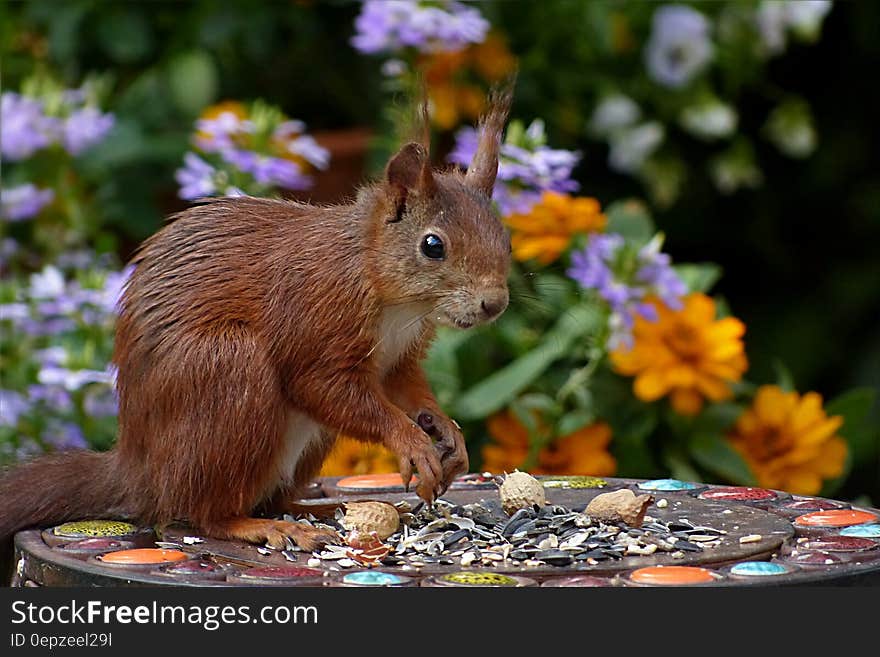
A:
14	311
51	356
24	201
228	137
524	170
221	131
53	326
679	46
101	401
656	274
311	151
78	259
8	248
268	170
390	25
114	285
592	268
27	447
85	127
196	178
24	128
624	280
12	406
64	435
52	375
280	172
55	397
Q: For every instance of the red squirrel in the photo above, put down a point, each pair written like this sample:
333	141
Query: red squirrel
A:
253	331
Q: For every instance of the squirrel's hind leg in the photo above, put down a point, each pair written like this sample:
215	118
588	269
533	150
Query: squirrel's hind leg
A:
273	532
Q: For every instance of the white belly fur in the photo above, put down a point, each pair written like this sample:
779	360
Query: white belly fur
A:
301	432
399	327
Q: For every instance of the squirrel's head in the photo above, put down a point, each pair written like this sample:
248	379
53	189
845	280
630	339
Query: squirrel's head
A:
440	242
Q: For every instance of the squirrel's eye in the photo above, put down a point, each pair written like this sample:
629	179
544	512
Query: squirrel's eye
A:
432	247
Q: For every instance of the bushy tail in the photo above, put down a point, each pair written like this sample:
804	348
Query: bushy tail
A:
58	487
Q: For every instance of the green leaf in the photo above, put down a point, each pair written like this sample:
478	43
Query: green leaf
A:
855	407
193	81
716	418
784	379
65	28
573	421
632	423
631	220
629	442
679	466
715	454
441	365
698	277
539	401
498	389
125	34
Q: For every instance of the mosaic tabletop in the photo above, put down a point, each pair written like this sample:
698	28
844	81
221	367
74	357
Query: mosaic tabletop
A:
692	535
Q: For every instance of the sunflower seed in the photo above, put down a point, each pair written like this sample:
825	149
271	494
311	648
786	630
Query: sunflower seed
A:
554	557
550	542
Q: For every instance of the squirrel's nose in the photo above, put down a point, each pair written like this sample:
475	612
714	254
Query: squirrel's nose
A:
493	304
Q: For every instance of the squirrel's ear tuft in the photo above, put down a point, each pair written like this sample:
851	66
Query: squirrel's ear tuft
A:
484	167
410	170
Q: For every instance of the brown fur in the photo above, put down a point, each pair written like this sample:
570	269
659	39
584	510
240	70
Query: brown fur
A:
242	311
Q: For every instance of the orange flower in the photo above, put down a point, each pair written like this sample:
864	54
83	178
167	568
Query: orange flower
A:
454	92
546	231
451	102
353	457
231	106
789	441
510	446
583	452
686	354
492	59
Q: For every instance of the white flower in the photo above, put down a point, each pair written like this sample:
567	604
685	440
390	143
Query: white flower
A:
679	47
790	127
803	17
735	169
709	120
612	113
48	284
632	146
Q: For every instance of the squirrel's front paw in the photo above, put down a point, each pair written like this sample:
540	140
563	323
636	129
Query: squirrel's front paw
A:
416	450
449	444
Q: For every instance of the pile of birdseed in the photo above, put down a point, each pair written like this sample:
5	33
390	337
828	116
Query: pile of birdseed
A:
482	534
